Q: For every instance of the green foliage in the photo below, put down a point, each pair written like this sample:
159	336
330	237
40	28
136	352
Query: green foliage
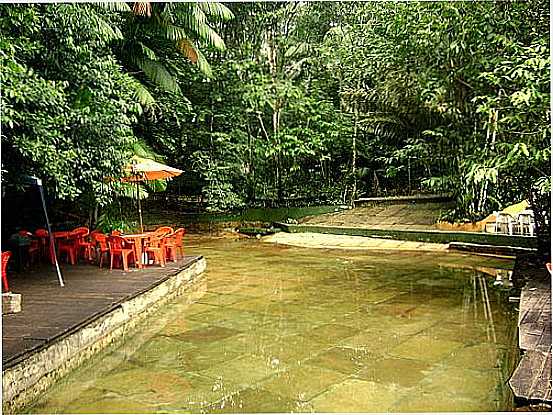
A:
112	220
67	106
301	102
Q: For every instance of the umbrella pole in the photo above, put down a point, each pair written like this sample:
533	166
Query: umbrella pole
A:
139	206
51	237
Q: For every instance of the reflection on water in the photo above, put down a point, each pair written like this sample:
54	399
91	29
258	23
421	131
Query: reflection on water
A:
281	329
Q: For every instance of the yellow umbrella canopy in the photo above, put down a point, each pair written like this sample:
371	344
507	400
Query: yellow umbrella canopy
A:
141	169
517	208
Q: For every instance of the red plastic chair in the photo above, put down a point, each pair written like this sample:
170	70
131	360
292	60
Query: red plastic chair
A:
34	251
163	231
83	246
6	255
170	247
179	235
67	247
100	242
173	245
120	247
44	242
156	247
33	247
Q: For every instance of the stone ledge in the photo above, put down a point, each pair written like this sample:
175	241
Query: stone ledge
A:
30	377
433	236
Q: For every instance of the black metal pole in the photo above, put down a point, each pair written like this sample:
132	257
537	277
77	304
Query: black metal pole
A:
52	244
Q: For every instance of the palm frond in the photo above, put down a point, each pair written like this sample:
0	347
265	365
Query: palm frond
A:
142	149
142	8
113	6
156	72
211	37
146	51
197	17
172	32
109	31
187	48
203	65
217	10
129	190
143	96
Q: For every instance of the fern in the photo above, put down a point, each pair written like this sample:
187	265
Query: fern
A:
114	6
158	74
216	10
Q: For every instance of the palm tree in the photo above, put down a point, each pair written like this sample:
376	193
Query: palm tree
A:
151	27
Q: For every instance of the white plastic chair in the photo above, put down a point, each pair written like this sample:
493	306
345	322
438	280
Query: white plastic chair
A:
526	222
503	223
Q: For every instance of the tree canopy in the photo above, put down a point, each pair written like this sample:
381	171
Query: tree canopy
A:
284	101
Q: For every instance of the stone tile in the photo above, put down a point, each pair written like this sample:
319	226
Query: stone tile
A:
354	395
182	390
291	350
479	356
244	371
179	325
377	342
198	308
204	357
330	333
211	317
402	372
105	404
255	304
161	351
440	402
342	359
206	334
425	348
244	320
302	382
469	383
283	327
221	299
254	400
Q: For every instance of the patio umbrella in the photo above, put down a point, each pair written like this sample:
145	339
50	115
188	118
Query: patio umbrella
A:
142	169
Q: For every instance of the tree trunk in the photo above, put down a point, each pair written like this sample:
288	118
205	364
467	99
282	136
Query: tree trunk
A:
354	155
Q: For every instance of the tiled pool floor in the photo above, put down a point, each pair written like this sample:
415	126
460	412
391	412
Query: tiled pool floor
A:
281	329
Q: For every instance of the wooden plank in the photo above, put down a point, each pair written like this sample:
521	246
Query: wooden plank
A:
535	317
532	378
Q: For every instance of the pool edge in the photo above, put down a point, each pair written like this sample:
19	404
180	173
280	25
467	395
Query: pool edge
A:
23	382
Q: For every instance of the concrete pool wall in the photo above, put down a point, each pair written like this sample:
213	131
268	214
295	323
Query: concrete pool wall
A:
23	382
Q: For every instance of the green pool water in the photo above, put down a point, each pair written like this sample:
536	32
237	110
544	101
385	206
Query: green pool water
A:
283	329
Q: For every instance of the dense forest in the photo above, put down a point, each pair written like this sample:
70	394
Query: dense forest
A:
288	101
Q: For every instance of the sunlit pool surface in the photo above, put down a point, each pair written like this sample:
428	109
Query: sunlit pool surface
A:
282	329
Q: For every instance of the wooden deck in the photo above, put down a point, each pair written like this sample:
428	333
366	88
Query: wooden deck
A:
531	380
50	312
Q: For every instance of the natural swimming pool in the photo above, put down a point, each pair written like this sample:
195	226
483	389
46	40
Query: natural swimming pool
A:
281	329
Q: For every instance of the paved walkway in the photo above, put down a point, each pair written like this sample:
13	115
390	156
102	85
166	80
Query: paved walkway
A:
410	216
319	240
